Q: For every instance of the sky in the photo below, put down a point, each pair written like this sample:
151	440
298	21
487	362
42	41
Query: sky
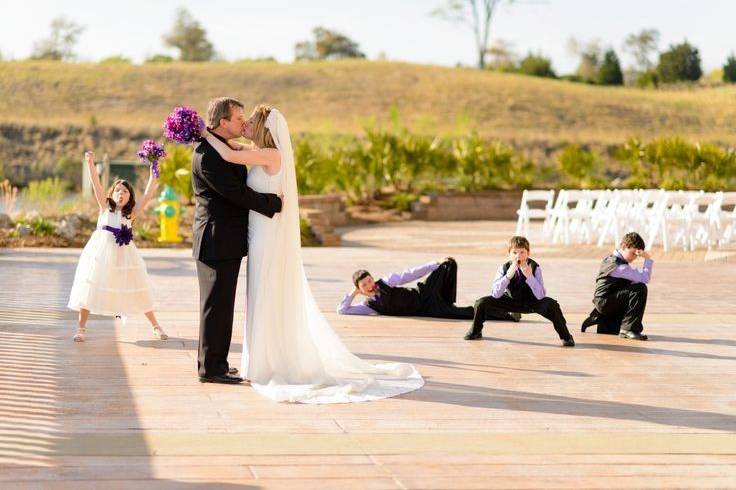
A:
401	30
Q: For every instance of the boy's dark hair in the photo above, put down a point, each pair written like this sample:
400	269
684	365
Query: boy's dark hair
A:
518	242
128	208
633	240
359	275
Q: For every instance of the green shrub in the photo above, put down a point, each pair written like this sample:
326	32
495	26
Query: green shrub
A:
175	170
679	63
44	195
648	79
673	163
581	166
537	65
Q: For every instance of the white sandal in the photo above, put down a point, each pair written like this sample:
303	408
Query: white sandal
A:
79	336
158	333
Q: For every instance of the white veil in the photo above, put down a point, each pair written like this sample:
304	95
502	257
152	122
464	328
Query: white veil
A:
291	352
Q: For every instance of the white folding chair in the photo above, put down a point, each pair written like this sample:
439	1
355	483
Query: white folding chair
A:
575	204
676	226
703	227
626	212
526	213
726	218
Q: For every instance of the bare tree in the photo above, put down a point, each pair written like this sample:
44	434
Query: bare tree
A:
590	54
502	55
60	43
476	14
641	46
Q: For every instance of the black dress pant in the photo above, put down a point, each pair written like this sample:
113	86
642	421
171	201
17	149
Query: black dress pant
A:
438	293
547	307
218	281
623	310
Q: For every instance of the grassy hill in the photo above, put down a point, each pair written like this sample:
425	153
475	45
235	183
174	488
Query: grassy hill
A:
342	97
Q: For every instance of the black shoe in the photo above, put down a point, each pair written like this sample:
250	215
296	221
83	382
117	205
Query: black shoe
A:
628	334
233	371
568	342
474	334
223	378
515	317
590	321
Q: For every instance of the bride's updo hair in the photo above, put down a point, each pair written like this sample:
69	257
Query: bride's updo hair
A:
261	135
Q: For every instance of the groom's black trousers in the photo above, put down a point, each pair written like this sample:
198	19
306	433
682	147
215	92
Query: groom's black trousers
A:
218	281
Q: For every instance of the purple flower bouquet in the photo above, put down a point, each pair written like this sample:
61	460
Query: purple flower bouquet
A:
150	152
184	126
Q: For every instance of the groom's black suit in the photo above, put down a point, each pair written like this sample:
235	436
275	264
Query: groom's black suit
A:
219	243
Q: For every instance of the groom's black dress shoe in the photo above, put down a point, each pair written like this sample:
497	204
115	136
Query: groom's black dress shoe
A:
632	335
222	378
472	334
590	321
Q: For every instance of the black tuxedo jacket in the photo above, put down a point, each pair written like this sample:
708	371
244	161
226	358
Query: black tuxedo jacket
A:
223	200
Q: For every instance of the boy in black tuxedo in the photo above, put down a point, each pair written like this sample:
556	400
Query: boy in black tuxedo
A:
620	295
519	287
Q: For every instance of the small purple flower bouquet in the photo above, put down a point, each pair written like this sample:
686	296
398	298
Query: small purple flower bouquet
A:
150	152
184	126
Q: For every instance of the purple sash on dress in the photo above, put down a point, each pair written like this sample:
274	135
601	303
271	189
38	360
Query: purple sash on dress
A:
123	235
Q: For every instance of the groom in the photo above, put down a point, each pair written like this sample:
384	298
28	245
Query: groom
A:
220	237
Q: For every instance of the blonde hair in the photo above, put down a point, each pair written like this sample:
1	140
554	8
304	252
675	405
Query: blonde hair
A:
261	134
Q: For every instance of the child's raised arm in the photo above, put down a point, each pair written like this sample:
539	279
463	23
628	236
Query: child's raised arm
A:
89	158
266	157
150	191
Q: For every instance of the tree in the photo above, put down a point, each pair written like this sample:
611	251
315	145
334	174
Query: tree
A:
537	65
502	56
476	14
590	58
610	71
60	43
190	38
327	45
680	63
641	46
729	69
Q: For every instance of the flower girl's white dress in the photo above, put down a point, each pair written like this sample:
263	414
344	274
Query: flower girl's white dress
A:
111	279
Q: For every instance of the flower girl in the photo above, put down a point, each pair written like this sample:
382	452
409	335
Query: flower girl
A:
111	276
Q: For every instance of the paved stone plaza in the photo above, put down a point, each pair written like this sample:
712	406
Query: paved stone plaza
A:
515	410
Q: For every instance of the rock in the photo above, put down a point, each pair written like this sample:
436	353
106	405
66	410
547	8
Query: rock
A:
6	222
32	216
66	228
23	230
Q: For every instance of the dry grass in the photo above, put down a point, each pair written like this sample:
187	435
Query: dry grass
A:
342	97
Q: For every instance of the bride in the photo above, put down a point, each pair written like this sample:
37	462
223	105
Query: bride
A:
290	352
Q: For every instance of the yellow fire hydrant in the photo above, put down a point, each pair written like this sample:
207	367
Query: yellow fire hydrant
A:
169	212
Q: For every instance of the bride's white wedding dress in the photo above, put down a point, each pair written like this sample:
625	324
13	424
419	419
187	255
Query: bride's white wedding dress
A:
290	352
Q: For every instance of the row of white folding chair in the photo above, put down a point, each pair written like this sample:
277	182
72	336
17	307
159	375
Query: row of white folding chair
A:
687	218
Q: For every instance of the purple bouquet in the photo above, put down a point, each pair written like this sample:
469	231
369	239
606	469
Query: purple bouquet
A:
150	152
184	126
